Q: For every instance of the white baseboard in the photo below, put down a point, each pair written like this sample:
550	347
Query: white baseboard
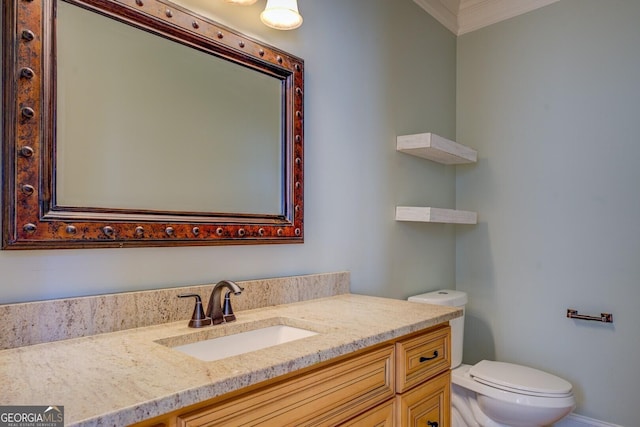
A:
575	420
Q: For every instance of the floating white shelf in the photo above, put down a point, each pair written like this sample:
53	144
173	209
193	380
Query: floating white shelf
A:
447	216
438	149
433	147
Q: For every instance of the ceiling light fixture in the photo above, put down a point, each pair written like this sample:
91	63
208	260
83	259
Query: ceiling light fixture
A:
278	14
281	15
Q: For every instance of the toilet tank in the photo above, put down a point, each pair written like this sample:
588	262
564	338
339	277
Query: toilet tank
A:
449	298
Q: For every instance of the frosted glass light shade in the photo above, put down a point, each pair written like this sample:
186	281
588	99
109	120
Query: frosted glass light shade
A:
242	2
281	14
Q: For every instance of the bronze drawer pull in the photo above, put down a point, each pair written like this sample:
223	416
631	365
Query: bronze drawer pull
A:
425	359
432	423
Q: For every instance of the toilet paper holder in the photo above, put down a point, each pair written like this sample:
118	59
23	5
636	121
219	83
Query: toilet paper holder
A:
604	317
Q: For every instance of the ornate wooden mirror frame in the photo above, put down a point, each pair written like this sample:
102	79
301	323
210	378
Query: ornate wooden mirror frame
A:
31	218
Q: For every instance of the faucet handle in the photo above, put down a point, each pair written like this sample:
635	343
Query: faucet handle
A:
198	318
227	310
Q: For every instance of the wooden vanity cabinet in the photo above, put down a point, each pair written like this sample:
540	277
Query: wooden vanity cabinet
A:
423	379
323	397
401	383
380	416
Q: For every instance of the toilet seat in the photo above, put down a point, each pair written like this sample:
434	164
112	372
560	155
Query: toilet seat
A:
520	379
460	377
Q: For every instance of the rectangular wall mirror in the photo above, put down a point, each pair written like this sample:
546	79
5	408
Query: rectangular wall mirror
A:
140	123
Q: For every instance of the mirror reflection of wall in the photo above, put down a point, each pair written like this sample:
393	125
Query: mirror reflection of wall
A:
146	123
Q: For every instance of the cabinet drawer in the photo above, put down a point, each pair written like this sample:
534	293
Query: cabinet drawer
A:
422	357
426	405
380	416
326	397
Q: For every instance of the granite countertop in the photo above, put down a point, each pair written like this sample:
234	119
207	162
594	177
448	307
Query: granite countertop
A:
119	378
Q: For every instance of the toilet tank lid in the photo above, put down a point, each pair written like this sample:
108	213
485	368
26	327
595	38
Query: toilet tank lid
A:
446	297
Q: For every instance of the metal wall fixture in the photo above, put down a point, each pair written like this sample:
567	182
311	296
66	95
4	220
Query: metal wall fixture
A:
604	317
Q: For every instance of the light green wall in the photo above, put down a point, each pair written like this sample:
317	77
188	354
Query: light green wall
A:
374	69
551	100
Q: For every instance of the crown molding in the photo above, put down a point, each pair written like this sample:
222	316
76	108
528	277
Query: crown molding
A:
445	15
476	14
463	16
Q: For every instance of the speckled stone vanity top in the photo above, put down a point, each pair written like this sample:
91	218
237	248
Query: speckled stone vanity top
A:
119	378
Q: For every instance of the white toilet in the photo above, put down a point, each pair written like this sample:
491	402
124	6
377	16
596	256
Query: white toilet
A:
498	394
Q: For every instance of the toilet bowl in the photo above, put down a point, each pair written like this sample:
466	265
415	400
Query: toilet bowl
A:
498	394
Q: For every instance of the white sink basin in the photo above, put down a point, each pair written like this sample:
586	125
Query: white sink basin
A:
243	342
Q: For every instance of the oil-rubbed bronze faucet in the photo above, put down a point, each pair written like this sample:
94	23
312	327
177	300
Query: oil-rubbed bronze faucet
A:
216	313
215	310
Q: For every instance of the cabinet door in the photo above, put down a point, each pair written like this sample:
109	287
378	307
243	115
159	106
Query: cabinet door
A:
380	416
427	405
326	397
